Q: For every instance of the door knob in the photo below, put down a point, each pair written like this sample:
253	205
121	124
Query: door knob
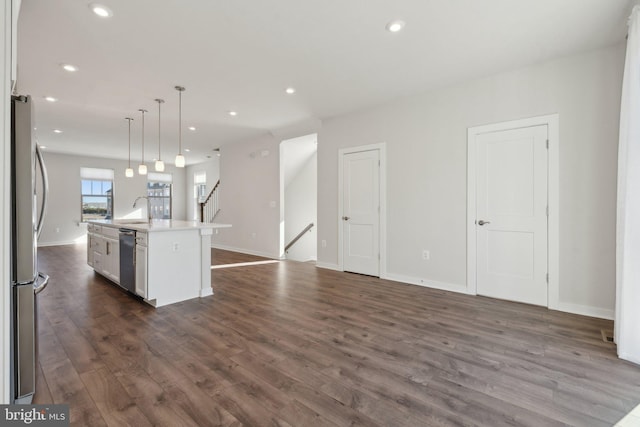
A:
482	222
345	218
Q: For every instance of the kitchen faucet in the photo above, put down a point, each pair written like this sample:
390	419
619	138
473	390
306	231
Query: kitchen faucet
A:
148	206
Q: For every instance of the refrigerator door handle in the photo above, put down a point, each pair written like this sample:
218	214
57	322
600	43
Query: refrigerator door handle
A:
45	190
43	284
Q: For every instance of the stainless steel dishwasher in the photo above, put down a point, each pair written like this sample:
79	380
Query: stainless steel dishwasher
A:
127	260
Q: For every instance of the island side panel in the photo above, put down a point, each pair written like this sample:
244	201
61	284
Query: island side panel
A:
174	269
205	262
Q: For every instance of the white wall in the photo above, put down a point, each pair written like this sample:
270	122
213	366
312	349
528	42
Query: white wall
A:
64	208
212	169
300	207
426	185
250	197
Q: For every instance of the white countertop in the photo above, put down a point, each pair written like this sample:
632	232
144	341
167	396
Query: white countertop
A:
157	224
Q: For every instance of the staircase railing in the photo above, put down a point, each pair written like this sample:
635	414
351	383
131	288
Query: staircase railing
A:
295	239
210	207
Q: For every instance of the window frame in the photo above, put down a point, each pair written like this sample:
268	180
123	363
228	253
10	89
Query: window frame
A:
151	197
108	197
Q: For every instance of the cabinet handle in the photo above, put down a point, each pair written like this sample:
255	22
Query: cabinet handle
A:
108	247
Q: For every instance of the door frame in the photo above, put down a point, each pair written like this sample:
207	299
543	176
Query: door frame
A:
382	243
553	222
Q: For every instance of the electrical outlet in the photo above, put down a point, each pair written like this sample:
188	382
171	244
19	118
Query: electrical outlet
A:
426	255
324	243
175	247
57	229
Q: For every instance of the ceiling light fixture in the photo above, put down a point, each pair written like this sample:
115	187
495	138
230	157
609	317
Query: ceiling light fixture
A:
187	150
69	67
180	161
44	147
233	113
395	26
192	128
57	131
159	162
129	171
142	168
290	90
100	10
50	98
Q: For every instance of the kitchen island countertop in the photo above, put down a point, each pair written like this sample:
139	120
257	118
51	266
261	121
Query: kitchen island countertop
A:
158	224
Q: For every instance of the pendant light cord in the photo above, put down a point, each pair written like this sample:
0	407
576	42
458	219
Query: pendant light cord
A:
142	137
142	111
129	120
180	121
159	151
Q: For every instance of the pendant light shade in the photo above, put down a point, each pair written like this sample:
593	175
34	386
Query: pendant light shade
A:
180	160
129	171
159	163
142	168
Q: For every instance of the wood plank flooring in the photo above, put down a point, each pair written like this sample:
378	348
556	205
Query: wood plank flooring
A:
289	344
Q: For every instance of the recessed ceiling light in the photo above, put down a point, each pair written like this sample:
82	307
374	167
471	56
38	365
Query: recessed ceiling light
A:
69	67
101	10
50	98
192	128
233	113
57	131
395	26
187	150
44	147
290	90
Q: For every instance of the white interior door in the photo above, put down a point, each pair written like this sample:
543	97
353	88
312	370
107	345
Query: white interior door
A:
511	215
361	212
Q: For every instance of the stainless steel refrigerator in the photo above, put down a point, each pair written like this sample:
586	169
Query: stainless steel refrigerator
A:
26	224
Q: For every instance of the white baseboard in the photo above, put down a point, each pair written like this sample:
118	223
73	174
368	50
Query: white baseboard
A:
68	242
206	292
585	310
328	266
244	251
630	357
462	289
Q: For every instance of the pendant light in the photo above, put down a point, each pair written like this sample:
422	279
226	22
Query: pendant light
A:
159	162
180	161
129	171
142	168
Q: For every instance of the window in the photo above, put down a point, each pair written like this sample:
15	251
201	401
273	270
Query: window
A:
159	193
199	192
96	193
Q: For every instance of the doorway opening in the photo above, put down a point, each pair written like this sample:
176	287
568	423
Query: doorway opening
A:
298	198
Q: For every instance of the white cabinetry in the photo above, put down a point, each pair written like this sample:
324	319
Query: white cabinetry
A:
111	265
103	251
141	264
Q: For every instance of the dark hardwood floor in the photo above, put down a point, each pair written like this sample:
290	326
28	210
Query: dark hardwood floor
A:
289	344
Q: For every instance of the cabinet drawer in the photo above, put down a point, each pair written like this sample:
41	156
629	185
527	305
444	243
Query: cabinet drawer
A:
141	239
93	228
112	233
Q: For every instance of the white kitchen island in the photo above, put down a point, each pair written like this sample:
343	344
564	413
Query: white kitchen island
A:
172	258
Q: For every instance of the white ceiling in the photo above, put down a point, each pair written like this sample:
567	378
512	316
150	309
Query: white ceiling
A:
241	54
